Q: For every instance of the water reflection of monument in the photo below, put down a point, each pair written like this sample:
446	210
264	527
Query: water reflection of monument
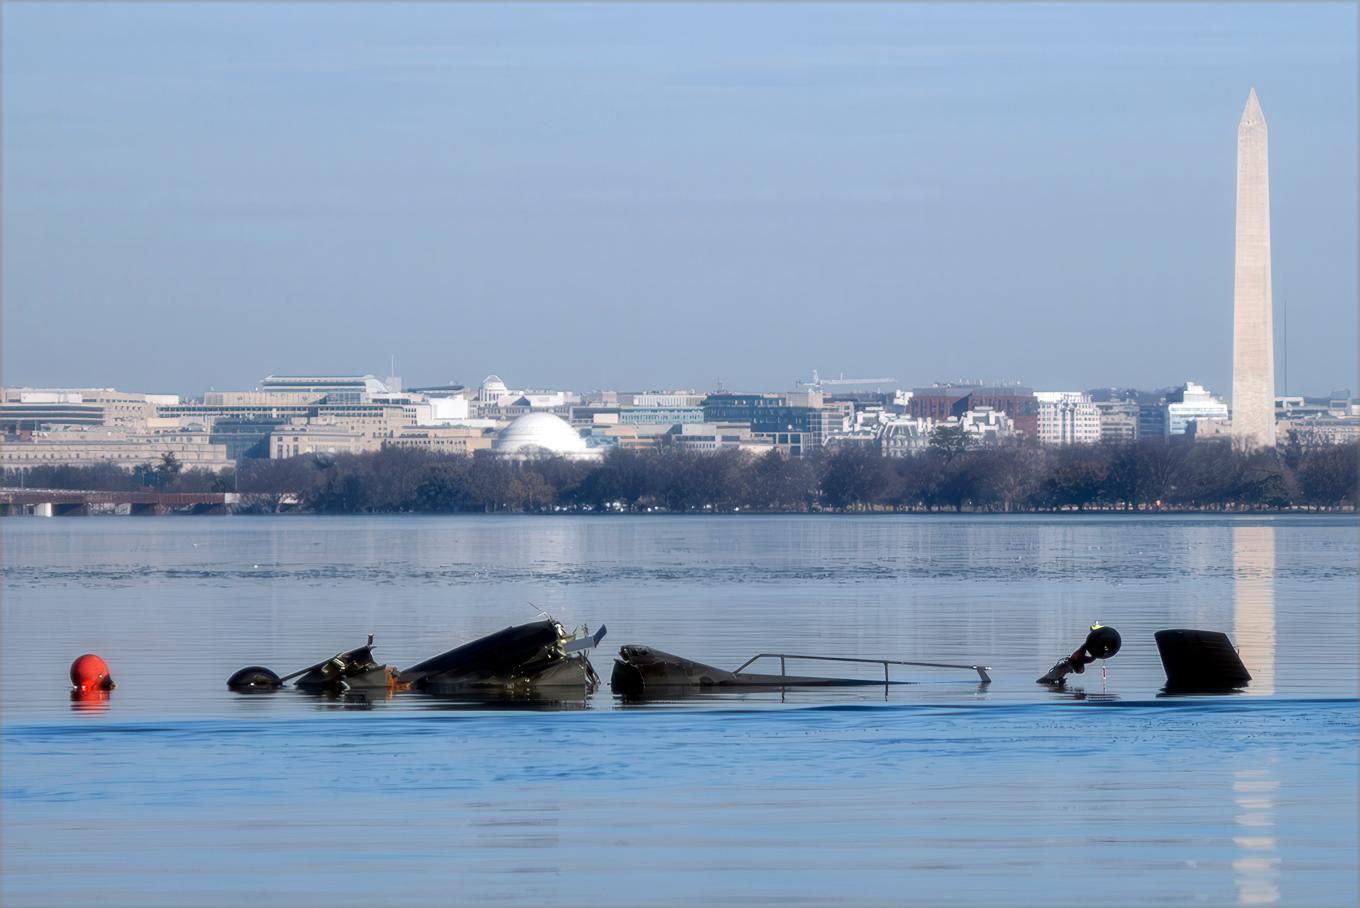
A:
1253	549
1256	866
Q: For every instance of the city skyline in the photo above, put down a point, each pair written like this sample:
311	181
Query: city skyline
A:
1020	195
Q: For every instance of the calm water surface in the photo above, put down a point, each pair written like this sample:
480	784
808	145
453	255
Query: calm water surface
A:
176	791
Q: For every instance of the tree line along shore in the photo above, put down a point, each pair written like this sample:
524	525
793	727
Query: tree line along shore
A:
949	476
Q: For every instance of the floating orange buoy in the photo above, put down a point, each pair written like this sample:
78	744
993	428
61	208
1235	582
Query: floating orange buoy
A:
88	673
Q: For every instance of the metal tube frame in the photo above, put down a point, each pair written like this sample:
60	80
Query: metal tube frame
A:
980	669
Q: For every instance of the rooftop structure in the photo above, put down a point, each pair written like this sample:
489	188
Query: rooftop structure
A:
680	399
34	408
659	415
365	416
336	387
942	401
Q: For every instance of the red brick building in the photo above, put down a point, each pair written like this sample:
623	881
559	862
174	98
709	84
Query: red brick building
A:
943	401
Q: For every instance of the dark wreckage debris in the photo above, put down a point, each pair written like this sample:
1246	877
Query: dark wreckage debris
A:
353	669
543	659
535	655
1200	662
641	670
1101	643
517	659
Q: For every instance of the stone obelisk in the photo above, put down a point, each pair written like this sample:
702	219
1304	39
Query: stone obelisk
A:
1253	387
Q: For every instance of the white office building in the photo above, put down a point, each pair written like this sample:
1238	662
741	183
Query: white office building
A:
667	399
983	424
1192	403
1067	418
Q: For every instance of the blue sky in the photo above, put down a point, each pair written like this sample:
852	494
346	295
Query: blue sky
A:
639	195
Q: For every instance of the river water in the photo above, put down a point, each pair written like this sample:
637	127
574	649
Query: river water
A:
175	791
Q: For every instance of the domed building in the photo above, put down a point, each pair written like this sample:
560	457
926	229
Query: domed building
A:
541	434
493	390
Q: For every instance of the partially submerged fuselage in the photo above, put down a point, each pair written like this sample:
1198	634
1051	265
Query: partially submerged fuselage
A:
643	669
531	655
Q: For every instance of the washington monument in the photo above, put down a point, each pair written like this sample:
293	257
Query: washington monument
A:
1253	381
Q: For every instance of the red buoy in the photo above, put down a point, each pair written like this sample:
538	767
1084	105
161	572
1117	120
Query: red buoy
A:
88	673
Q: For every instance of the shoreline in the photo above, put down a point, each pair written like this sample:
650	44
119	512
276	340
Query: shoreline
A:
829	514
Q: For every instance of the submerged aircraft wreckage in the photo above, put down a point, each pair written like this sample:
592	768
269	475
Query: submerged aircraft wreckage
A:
520	658
642	669
544	656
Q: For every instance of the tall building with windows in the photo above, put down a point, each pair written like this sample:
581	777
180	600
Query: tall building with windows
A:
804	414
1118	420
1067	418
1152	417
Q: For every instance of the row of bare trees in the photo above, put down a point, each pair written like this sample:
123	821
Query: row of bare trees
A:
1208	475
946	477
166	474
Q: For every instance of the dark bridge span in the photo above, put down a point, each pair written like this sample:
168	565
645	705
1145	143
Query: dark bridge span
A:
63	502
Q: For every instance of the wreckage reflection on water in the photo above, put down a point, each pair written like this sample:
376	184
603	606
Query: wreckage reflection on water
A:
467	701
905	694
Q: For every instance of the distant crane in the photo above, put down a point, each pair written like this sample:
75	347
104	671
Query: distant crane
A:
818	382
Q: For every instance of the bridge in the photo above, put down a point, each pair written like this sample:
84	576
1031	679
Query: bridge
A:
66	502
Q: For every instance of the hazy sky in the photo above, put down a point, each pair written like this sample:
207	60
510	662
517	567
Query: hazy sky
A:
633	195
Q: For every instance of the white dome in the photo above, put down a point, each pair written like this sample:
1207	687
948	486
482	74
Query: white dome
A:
534	432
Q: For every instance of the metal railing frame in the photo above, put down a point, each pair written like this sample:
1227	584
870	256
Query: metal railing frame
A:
782	657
